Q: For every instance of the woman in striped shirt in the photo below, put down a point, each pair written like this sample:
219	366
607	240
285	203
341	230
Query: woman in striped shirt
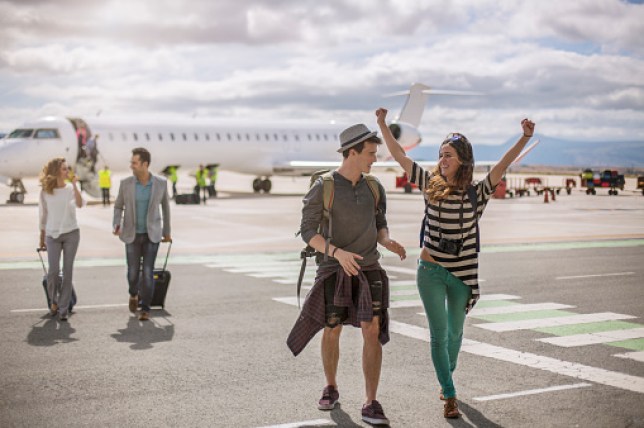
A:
448	267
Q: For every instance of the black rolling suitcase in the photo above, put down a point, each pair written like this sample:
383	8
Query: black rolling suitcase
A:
59	283
187	199
161	282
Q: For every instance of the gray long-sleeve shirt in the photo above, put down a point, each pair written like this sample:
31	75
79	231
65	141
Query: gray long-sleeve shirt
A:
355	220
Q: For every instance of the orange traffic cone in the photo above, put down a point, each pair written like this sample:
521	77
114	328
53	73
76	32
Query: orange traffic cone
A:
545	196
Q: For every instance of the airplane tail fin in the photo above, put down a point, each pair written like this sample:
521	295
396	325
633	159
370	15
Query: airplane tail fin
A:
417	95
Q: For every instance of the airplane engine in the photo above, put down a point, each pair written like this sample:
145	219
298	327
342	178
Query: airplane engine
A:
407	135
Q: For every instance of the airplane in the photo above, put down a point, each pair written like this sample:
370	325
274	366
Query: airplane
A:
263	150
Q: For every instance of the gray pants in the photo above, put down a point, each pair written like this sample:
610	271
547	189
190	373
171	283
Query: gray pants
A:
67	243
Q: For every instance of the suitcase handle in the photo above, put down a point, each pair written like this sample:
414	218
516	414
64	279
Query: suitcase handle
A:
38	250
167	255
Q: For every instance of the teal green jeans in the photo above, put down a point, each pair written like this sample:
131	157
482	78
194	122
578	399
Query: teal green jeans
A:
444	297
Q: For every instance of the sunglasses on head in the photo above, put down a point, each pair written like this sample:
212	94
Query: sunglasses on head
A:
455	136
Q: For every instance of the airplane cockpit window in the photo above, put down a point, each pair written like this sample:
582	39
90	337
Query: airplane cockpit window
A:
21	133
136	137
46	133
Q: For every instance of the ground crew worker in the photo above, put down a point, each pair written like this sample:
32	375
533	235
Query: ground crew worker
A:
214	172
172	175
105	183
201	183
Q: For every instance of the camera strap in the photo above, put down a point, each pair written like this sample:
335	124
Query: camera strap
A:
460	219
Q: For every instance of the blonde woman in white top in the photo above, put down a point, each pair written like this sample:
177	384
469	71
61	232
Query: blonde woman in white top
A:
59	230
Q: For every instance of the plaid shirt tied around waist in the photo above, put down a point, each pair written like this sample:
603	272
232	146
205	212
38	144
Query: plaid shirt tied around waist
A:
312	318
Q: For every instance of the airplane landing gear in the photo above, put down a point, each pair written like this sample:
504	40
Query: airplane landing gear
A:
262	184
17	196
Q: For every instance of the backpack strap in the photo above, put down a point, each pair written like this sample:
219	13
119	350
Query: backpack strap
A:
328	191
372	182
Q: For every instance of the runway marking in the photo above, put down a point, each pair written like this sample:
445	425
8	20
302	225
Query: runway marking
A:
637	356
313	423
407	270
594	338
531	392
113	305
551	322
595	275
518	308
553	365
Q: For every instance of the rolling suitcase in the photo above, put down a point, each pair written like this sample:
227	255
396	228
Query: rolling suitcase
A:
187	199
161	282
59	283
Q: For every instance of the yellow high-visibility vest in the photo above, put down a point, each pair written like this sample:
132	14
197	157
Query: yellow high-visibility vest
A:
105	178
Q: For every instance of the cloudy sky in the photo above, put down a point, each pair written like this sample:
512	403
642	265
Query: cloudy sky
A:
575	67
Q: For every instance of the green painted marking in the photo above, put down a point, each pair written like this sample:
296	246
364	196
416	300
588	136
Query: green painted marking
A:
548	246
634	344
520	316
593	327
494	303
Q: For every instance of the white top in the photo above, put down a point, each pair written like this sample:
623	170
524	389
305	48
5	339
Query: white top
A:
58	211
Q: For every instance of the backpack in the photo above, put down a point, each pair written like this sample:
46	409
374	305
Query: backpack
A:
471	194
328	192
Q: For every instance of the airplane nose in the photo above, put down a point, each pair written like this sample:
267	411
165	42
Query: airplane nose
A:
15	161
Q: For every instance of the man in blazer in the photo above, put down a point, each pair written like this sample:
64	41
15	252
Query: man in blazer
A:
140	224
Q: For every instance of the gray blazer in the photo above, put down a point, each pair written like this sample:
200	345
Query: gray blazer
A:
125	210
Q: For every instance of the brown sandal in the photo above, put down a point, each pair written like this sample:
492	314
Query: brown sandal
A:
451	409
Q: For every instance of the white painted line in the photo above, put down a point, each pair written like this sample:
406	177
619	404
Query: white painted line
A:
531	392
313	423
595	276
289	300
275	267
595	338
488	297
402	283
553	365
113	305
552	322
403	292
519	308
637	356
405	304
407	270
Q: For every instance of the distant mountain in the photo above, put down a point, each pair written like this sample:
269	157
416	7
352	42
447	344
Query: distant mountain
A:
557	152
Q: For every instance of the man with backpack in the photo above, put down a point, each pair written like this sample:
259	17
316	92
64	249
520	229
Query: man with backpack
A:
343	220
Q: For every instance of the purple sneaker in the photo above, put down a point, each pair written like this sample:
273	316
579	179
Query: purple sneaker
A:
373	414
330	397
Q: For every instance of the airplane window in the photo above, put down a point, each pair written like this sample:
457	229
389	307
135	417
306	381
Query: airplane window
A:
147	137
297	137
218	136
21	133
309	135
207	137
257	137
185	138
275	137
267	137
285	137
136	137
239	137
228	136
325	137
46	133
317	137
172	136
160	137
247	137
196	137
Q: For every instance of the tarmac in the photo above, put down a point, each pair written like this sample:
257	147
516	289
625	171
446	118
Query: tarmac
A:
557	339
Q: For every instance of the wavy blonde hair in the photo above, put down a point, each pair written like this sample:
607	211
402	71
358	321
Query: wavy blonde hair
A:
49	174
438	189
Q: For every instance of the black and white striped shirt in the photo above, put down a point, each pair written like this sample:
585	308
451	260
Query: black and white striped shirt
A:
443	218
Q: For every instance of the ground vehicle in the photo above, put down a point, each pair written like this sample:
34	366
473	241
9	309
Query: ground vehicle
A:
403	181
608	179
640	183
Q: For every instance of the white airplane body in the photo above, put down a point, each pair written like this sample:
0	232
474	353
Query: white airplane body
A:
246	147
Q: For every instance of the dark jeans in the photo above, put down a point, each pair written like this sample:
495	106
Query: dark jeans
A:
106	195
141	253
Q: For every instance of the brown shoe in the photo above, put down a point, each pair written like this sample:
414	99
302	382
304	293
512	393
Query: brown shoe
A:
53	310
144	316
133	303
451	409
